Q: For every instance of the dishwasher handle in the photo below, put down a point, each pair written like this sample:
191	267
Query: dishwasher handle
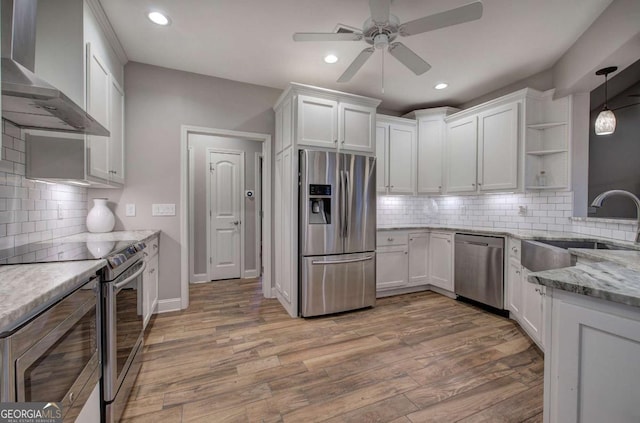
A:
482	244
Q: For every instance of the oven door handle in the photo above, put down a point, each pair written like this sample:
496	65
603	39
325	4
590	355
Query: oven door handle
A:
121	284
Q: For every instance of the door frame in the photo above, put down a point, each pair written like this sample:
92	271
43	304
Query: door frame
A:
242	212
187	212
259	158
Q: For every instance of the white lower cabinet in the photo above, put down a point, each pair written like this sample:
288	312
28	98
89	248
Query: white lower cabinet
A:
532	309
392	267
592	367
441	260
514	288
418	259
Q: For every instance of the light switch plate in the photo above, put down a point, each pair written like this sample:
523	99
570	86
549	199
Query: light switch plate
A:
163	209
131	210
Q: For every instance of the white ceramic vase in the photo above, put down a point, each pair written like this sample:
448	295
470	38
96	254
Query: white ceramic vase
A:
100	218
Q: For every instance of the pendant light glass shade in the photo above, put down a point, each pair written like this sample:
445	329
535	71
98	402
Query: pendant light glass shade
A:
606	120
605	123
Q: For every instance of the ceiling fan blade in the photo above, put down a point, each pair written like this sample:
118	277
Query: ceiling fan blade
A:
379	10
326	36
355	66
408	58
467	13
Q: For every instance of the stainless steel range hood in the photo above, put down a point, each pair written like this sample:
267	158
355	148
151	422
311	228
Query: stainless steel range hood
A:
27	100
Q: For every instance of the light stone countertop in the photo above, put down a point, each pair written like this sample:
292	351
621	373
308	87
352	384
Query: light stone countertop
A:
604	280
141	235
26	289
630	259
516	233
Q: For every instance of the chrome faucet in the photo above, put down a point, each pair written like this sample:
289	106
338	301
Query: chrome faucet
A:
597	202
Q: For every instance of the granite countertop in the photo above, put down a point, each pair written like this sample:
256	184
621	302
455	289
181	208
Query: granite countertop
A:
516	233
605	280
141	235
26	289
630	259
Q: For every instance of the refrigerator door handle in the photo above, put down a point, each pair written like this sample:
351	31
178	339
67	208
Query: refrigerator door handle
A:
347	203
326	262
343	205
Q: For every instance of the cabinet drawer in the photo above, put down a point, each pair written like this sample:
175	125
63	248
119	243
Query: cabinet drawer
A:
386	238
515	248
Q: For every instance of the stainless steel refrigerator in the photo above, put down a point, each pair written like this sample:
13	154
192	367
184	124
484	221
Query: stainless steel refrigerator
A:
337	219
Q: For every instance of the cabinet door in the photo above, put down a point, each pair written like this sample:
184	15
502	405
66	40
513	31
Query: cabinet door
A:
317	122
514	288
418	259
430	155
594	364
356	126
98	88
532	312
462	155
392	268
286	255
153	286
116	141
278	143
441	260
402	153
382	156
498	148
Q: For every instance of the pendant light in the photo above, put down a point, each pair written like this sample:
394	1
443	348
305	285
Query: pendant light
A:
606	120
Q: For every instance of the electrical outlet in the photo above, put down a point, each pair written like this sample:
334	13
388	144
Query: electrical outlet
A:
163	209
523	210
131	210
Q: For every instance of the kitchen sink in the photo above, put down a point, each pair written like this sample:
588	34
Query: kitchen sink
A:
538	255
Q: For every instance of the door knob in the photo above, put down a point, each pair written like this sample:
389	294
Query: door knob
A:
236	222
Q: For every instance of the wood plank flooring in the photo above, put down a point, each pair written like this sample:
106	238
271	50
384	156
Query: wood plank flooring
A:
234	356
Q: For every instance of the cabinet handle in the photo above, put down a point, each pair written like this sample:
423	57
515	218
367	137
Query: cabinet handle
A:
410	239
473	185
152	270
389	239
479	183
390	186
155	246
406	252
514	249
440	187
145	255
449	241
517	272
335	141
71	395
342	141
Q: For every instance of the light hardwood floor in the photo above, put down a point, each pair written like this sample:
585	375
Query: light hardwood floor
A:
234	356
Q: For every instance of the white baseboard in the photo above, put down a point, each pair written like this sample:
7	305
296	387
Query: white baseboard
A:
199	278
250	273
171	304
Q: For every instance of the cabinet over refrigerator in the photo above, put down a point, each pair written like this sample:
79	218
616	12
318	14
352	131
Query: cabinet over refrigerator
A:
337	221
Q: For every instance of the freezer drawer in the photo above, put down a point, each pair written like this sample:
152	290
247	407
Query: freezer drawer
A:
331	284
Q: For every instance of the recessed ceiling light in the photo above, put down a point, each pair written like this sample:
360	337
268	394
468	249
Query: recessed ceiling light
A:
158	18
441	86
330	58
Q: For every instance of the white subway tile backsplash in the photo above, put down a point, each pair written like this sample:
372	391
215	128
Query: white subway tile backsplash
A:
29	209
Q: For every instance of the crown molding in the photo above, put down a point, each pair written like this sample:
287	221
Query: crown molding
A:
107	29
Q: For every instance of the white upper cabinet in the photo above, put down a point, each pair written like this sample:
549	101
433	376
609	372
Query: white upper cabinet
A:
382	157
116	141
462	146
356	125
498	148
315	117
432	131
397	161
98	89
317	122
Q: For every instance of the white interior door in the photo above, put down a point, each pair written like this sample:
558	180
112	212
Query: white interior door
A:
225	213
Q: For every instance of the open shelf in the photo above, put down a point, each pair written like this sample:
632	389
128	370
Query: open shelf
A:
546	152
545	125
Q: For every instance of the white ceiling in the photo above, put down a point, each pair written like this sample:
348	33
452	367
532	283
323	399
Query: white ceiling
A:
250	41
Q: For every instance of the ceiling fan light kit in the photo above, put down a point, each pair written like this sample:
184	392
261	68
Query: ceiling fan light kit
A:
606	120
382	28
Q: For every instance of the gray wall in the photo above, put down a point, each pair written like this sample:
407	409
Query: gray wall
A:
200	143
614	159
157	102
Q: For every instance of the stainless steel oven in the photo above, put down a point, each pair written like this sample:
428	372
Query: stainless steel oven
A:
54	357
122	336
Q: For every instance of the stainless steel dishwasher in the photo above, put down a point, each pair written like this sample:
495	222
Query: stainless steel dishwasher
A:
479	269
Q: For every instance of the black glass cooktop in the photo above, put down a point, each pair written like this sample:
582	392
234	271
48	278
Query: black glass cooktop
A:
54	251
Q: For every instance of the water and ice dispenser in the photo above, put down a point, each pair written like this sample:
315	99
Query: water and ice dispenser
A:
319	207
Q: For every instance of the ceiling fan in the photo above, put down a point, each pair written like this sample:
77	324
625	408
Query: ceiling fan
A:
382	28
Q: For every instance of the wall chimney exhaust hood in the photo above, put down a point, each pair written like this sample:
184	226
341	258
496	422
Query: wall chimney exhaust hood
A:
27	100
